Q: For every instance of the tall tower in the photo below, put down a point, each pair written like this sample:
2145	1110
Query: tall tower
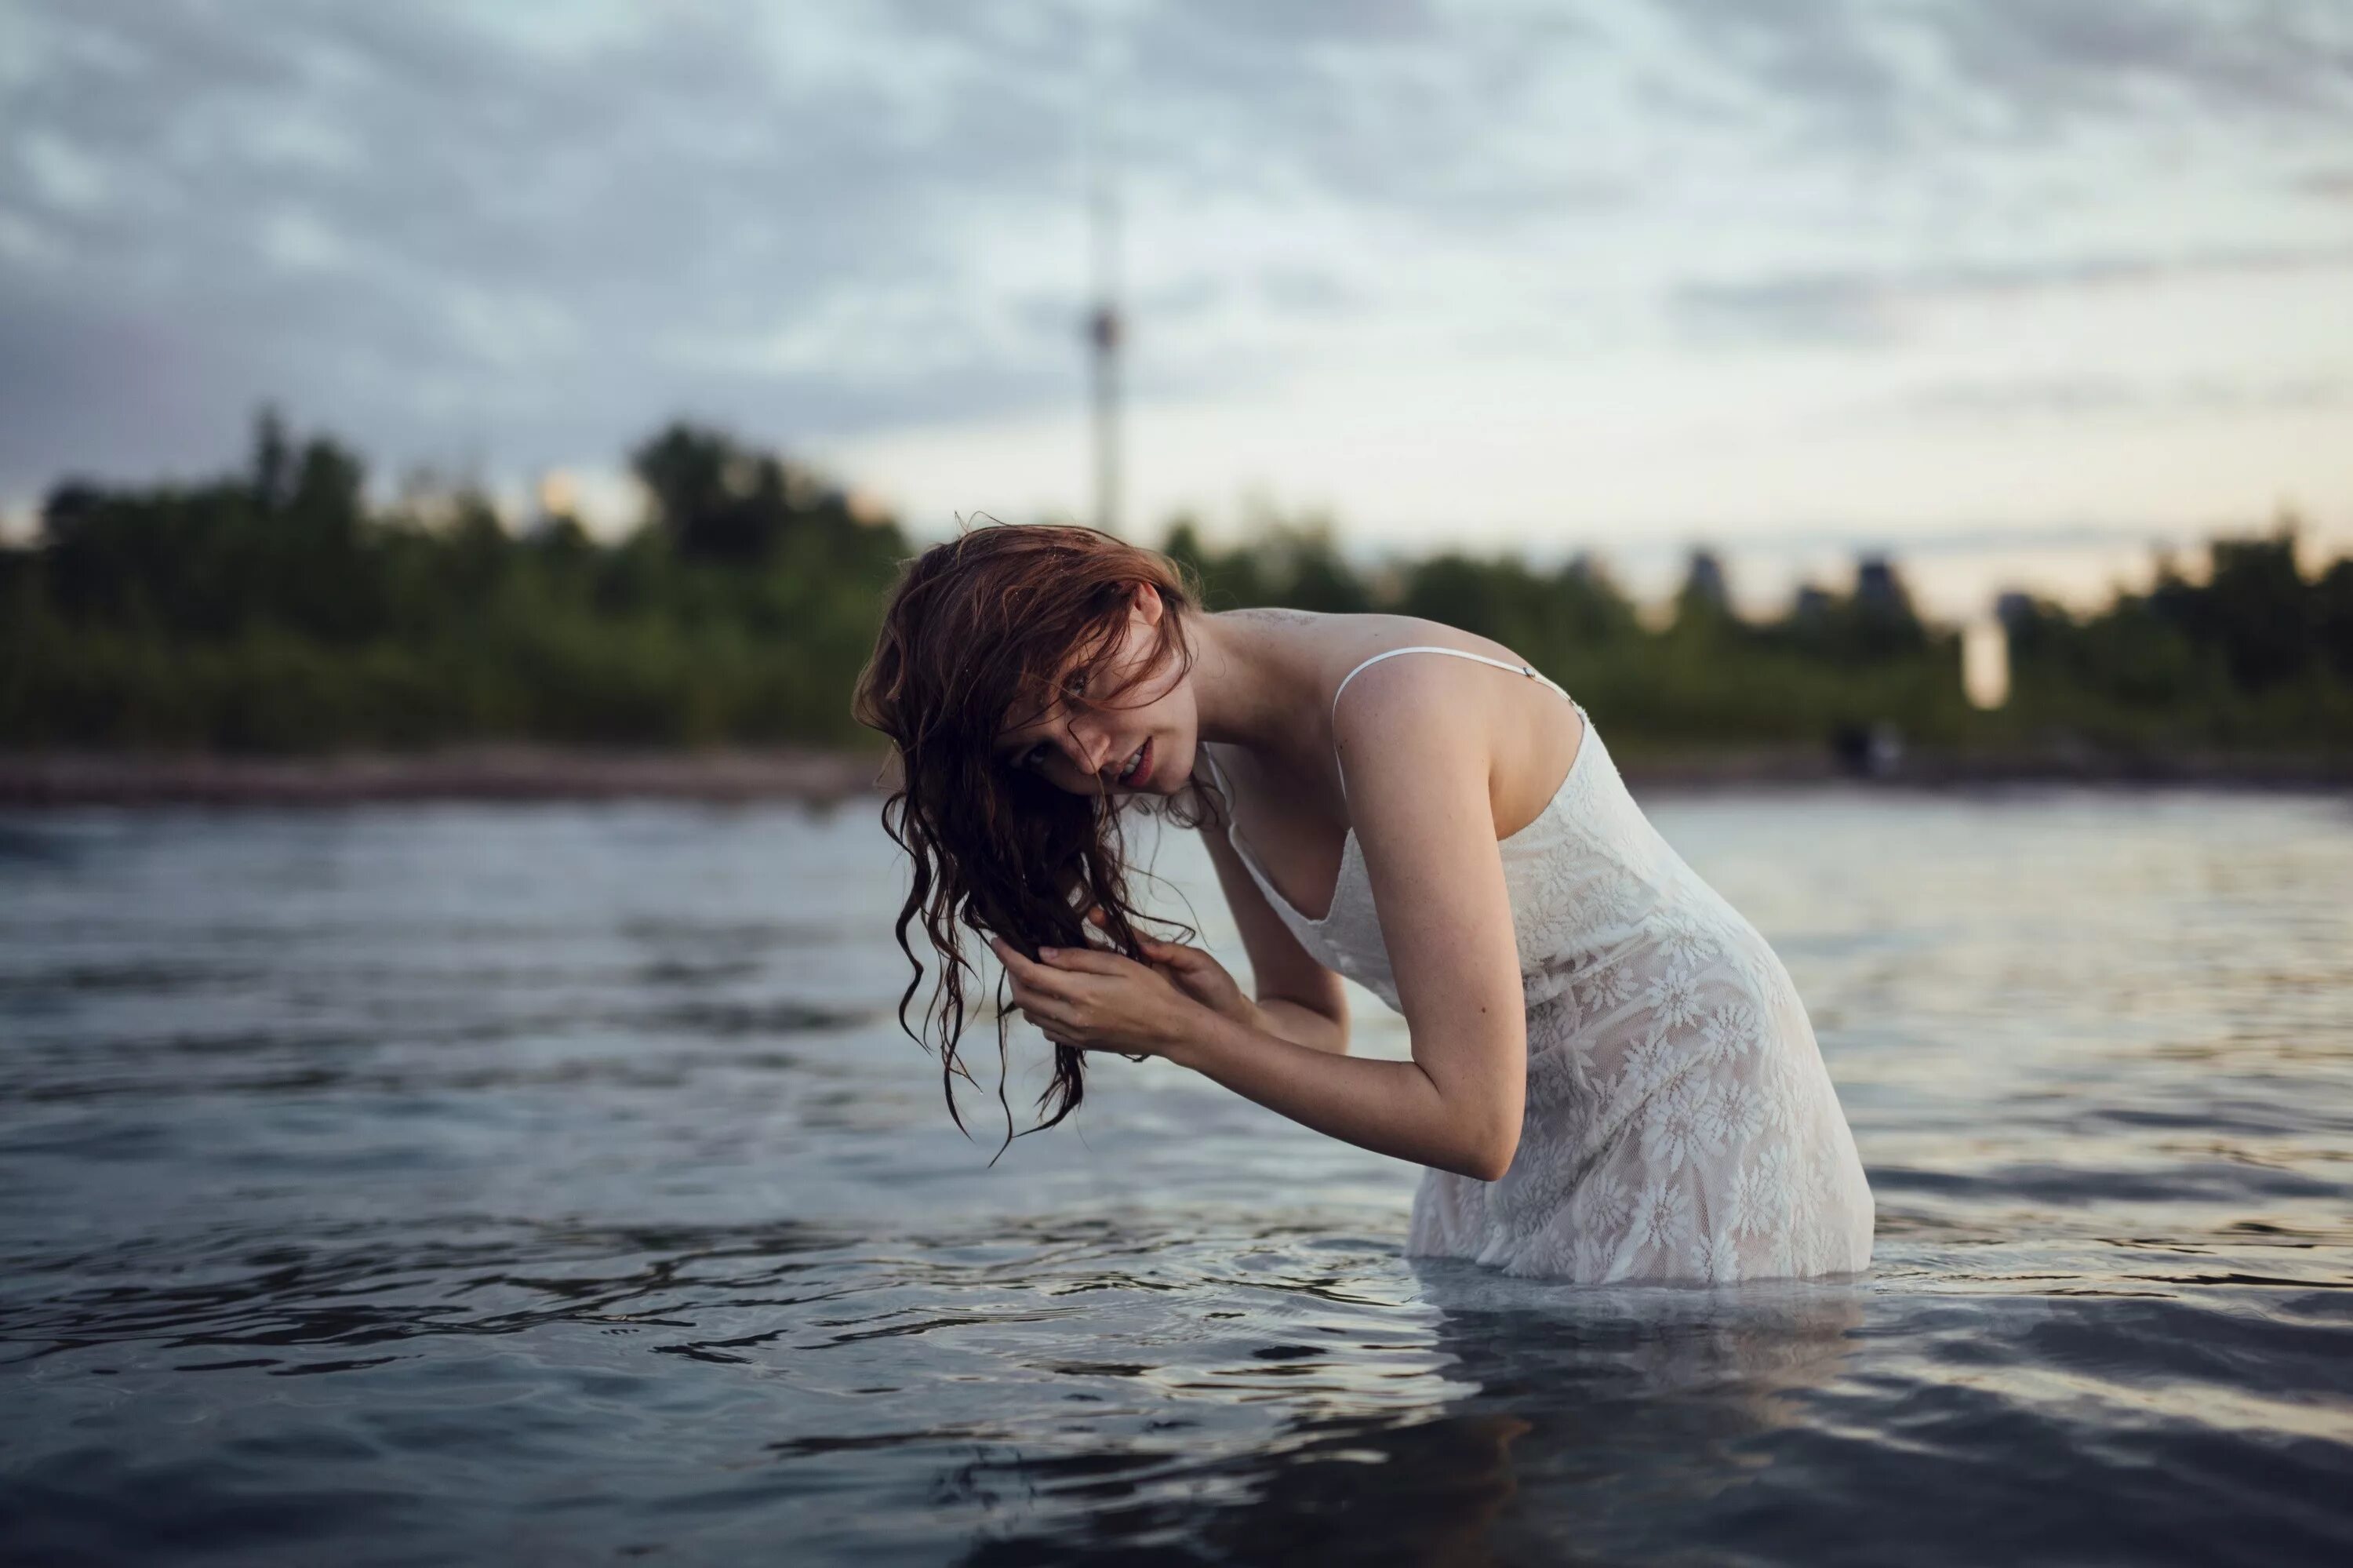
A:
1104	331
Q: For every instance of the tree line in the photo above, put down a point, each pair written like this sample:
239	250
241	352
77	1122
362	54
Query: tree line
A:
273	609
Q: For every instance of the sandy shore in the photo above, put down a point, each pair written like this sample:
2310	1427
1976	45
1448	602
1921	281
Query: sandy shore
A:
810	775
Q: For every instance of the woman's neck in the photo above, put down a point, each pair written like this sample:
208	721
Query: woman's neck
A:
1254	678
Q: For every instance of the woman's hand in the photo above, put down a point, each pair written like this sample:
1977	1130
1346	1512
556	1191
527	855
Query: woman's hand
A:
1203	979
1197	975
1098	1001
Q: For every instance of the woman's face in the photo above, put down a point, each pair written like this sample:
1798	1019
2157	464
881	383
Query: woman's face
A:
1142	743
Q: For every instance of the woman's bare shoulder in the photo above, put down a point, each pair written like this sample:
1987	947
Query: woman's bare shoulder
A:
1340	642
1428	715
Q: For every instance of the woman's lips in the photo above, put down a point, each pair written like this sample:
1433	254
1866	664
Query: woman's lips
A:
1142	773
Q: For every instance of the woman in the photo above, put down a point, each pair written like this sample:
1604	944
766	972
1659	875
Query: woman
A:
1612	1078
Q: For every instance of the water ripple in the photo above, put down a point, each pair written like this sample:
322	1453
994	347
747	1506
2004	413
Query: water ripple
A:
572	1161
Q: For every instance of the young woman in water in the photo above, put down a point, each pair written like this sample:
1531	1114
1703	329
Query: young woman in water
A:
1612	1078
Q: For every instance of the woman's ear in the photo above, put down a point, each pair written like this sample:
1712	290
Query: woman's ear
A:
1147	605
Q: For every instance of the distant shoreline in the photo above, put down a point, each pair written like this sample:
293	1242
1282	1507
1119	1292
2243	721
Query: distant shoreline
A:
818	776
490	773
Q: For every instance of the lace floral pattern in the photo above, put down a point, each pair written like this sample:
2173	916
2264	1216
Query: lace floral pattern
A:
1680	1124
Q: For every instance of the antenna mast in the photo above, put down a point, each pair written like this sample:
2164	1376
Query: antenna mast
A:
1104	328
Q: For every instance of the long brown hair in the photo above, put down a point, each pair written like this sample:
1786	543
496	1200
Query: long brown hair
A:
979	636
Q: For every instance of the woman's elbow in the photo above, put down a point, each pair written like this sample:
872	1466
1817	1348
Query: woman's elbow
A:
1306	1023
1336	1018
1487	1159
1498	1161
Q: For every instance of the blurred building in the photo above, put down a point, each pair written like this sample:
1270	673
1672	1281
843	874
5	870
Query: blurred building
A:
1704	581
1879	587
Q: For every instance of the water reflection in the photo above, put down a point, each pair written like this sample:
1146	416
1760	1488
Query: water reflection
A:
1580	1407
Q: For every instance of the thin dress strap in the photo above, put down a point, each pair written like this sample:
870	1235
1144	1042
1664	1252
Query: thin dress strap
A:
1528	670
1432	647
1250	861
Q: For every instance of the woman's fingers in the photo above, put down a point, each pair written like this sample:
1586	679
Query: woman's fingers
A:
1175	955
1101	922
1089	961
1050	971
1080	1042
1039	993
1046	1010
1027	973
1096	999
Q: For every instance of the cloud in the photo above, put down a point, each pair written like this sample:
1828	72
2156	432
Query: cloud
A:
1821	308
1832	61
2050	62
1890	81
524	234
394	220
2327	184
1983	402
1860	308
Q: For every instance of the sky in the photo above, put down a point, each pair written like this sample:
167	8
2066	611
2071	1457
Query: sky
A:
2012	288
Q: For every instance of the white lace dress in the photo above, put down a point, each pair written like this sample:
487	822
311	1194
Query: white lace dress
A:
1680	1124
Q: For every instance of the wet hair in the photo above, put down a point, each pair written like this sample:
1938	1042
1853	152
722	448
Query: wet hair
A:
984	633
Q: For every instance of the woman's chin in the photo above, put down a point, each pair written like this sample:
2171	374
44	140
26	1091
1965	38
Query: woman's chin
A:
1170	771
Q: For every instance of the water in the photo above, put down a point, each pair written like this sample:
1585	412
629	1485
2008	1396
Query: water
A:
535	1185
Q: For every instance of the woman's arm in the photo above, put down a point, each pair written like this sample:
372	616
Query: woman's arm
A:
1102	1000
1426	827
1297	998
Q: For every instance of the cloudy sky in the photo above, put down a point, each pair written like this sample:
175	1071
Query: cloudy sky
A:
2012	286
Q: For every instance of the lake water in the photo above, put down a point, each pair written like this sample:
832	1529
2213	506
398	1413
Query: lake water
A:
513	1184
